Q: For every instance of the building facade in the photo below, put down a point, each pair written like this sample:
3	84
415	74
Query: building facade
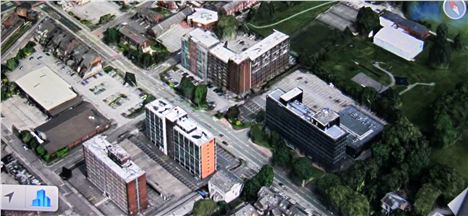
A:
318	135
194	148
224	186
239	72
110	169
181	138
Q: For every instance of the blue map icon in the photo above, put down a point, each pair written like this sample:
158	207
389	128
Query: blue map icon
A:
41	199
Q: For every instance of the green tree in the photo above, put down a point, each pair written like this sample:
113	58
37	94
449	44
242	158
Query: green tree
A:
367	21
12	63
327	181
226	28
204	207
112	36
265	176
282	156
251	187
146	60
302	168
257	134
40	150
458	42
440	52
233	112
260	117
425	199
25	136
186	88
199	97
264	12
447	180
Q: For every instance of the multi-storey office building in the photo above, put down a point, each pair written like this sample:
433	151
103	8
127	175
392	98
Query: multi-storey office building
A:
194	148
317	134
161	117
110	169
181	138
232	69
195	47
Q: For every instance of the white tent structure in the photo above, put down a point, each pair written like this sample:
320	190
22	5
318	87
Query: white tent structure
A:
399	43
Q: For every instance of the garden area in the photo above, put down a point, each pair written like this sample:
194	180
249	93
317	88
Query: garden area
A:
299	167
9	88
157	54
31	143
263	20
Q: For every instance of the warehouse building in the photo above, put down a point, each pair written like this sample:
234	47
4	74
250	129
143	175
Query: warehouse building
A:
50	92
399	43
72	127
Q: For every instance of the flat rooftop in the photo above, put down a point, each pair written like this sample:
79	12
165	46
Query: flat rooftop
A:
361	126
193	131
205	38
46	88
71	126
98	146
241	43
263	46
307	114
165	109
203	16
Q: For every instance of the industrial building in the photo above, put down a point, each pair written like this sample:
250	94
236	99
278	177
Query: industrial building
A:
182	139
317	134
390	19
71	127
111	170
399	43
233	69
50	92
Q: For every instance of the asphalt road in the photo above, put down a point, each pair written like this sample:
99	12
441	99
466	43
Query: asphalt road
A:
239	144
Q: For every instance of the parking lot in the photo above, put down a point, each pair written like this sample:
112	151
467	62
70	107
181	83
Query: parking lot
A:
222	101
317	93
105	91
93	10
167	185
24	115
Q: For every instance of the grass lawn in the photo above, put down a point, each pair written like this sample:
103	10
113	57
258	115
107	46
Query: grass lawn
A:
416	102
293	25
455	156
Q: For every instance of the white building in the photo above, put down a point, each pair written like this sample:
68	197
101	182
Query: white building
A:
203	18
224	186
399	43
161	117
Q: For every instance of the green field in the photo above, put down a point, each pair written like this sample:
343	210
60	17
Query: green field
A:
455	156
292	25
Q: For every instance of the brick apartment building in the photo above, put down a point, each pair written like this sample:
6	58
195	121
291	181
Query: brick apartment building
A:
110	169
181	138
235	70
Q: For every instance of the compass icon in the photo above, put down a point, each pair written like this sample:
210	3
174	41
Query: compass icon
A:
454	9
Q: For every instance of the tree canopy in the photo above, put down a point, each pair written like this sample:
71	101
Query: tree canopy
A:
367	20
425	199
226	27
440	52
263	178
204	207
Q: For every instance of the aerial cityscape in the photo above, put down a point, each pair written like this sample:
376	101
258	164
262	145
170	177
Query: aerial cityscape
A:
241	107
